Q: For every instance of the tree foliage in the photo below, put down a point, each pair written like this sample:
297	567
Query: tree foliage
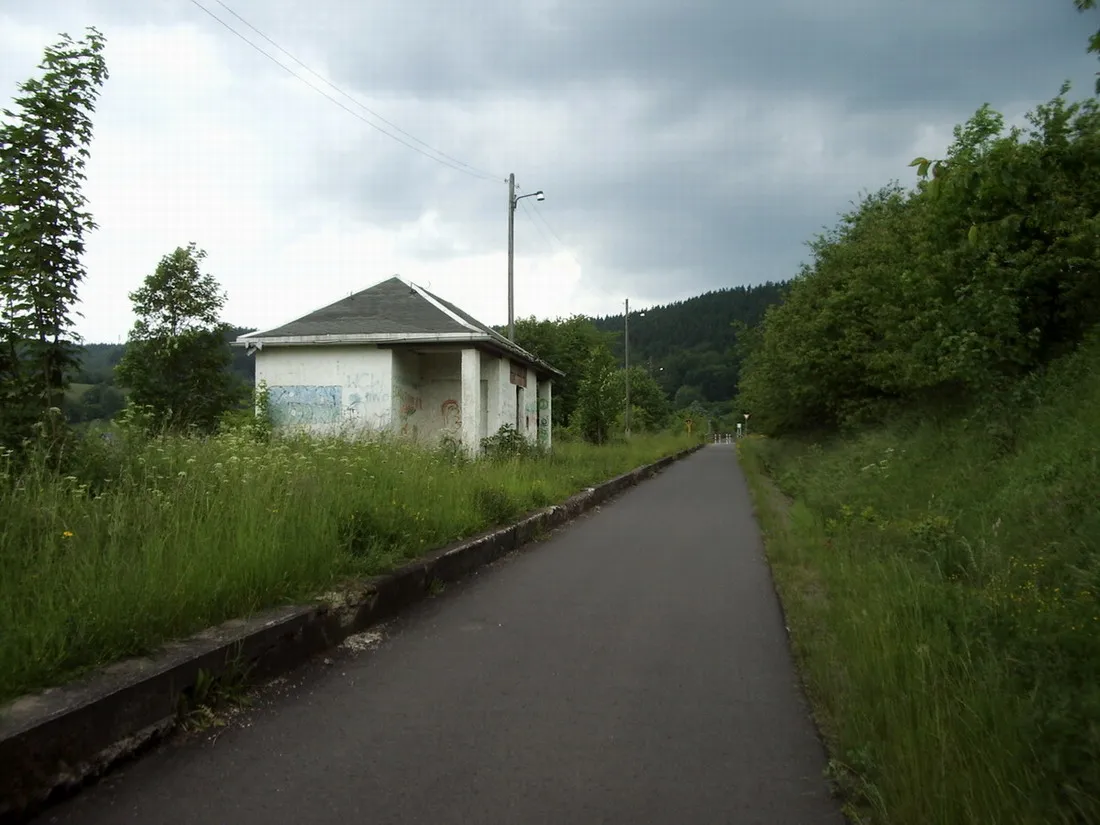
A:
176	362
177	298
985	270
598	403
99	402
693	343
566	344
689	351
43	151
649	406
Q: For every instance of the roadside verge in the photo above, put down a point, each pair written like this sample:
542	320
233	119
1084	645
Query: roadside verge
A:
53	741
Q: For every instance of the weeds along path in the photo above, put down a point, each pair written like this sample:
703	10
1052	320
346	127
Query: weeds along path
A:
633	669
141	541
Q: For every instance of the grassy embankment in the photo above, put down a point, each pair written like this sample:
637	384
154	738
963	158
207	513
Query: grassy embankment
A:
152	540
941	581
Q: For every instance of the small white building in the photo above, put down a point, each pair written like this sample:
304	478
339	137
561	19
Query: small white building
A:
397	358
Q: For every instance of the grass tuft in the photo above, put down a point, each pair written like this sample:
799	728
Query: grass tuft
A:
140	541
942	591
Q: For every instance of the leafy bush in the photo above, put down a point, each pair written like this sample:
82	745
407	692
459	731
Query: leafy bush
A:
952	290
508	443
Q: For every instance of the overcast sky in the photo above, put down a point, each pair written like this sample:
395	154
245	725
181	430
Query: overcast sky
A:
683	146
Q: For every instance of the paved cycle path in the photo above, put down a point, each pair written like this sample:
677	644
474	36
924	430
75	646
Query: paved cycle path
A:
631	669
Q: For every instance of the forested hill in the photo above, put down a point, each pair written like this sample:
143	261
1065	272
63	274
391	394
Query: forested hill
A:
98	361
93	393
689	345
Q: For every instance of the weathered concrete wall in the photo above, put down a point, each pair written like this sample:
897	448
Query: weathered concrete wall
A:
408	400
441	395
467	395
545	409
507	395
531	407
328	390
471	400
490	400
495	396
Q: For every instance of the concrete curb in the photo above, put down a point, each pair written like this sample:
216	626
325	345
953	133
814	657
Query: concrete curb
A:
54	741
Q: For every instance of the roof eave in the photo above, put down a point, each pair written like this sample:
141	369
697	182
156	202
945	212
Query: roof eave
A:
515	350
259	341
355	338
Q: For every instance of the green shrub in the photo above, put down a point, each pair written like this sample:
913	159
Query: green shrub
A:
943	590
508	443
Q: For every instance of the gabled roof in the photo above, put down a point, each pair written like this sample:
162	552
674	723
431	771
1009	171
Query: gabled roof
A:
394	311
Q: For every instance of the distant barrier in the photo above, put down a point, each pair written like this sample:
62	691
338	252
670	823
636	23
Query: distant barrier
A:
728	438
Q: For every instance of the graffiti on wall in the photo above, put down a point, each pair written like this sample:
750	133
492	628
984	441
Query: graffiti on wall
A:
366	388
409	405
544	419
452	414
365	394
304	405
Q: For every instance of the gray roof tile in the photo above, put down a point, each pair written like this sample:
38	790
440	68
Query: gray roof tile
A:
392	307
389	308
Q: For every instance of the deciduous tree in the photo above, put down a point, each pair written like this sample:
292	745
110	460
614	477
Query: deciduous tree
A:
597	400
176	362
567	345
649	407
984	271
43	149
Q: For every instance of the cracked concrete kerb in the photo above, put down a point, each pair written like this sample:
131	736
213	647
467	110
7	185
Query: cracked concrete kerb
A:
55	740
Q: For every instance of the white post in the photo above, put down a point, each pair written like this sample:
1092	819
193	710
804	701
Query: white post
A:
531	406
470	411
496	384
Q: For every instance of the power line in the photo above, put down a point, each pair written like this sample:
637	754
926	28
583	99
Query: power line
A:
557	237
548	226
527	212
445	160
543	218
358	103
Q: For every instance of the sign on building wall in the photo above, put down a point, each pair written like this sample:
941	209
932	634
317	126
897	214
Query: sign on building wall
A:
517	374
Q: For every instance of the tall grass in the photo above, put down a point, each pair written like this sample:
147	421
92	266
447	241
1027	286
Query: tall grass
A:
149	540
941	581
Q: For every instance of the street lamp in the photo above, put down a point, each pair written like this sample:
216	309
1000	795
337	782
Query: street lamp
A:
512	202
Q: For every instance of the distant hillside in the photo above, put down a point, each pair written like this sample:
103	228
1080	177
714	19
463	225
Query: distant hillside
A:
688	345
98	361
94	395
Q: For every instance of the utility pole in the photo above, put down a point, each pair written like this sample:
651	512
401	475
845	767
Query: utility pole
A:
626	352
511	256
513	201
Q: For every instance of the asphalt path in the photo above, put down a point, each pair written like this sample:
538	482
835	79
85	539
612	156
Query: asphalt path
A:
631	669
